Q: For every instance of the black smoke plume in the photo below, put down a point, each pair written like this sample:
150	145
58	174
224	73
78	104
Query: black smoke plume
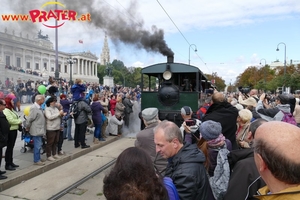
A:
120	25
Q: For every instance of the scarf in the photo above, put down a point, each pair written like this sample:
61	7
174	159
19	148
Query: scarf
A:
219	141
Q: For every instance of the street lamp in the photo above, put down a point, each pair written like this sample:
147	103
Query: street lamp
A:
71	61
284	62
264	69
190	52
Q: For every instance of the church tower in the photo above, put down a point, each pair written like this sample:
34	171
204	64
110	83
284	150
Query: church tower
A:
105	58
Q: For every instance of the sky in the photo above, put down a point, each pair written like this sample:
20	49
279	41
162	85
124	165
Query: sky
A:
229	35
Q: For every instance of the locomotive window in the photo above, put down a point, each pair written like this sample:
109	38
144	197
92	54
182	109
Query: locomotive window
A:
150	83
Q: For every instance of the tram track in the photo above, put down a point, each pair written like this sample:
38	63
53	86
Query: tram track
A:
83	180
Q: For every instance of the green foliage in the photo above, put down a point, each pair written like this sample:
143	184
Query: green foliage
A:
130	77
219	82
269	79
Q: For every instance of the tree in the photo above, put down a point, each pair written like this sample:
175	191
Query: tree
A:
118	64
269	79
219	82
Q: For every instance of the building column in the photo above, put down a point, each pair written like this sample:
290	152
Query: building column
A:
13	63
90	68
24	59
93	68
32	62
85	67
82	67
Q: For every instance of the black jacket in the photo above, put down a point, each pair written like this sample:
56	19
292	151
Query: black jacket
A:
243	175
226	114
188	173
4	130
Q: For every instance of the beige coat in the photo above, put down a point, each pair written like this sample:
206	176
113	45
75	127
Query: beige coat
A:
53	118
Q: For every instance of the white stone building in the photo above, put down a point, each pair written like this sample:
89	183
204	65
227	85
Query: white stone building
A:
25	58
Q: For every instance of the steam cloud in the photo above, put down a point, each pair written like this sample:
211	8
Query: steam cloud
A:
116	24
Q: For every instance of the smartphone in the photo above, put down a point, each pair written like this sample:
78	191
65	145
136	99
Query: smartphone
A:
190	122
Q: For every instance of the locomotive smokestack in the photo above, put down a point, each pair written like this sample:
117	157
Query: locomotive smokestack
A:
170	59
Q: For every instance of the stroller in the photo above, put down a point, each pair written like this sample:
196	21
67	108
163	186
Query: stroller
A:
28	141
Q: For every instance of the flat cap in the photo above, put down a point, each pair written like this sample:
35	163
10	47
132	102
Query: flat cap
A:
149	113
186	110
249	102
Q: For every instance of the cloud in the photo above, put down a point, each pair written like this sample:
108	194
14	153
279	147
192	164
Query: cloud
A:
201	14
138	64
192	17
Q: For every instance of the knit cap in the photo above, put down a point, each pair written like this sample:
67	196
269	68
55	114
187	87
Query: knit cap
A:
210	130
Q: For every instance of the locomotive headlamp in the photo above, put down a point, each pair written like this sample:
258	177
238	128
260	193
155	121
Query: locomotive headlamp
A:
167	75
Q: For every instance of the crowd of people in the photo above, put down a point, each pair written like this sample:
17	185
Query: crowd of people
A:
233	147
49	121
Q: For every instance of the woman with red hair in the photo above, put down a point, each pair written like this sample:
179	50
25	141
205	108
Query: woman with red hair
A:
14	121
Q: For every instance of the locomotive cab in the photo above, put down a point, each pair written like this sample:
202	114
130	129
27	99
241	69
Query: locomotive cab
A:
170	86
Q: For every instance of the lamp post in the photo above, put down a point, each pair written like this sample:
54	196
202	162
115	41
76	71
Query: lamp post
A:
264	69
56	73
190	52
71	62
284	62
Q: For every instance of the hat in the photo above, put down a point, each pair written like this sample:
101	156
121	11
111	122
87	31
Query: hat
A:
250	102
210	130
284	99
186	110
149	113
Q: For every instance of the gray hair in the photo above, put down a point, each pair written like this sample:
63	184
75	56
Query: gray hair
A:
151	121
39	97
170	129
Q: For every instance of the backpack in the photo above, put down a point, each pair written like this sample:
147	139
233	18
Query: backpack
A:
219	182
172	191
289	118
43	106
74	109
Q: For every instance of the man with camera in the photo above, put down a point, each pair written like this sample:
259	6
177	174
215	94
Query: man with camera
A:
249	99
273	114
189	127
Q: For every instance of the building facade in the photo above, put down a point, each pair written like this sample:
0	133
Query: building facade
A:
25	58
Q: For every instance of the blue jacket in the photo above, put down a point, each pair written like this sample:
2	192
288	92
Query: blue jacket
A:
76	90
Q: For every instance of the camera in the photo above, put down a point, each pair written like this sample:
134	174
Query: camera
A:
190	122
209	91
244	90
268	97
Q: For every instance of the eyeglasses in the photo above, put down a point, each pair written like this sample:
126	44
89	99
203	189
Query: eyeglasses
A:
3	104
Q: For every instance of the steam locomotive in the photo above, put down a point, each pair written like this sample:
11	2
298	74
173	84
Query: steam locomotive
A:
176	85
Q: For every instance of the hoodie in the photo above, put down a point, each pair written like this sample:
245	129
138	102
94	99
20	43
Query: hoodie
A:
77	90
272	114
